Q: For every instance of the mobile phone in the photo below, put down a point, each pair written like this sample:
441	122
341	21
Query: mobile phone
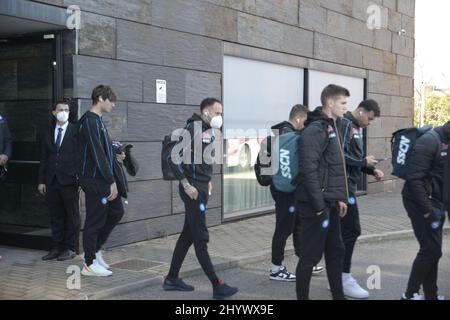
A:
381	159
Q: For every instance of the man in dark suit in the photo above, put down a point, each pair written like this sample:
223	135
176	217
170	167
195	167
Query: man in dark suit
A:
58	182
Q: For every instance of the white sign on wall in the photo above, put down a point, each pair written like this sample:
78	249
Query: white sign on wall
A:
161	91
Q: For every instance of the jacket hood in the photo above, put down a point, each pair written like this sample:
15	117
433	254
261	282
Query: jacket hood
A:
282	125
350	117
446	130
88	114
195	117
316	115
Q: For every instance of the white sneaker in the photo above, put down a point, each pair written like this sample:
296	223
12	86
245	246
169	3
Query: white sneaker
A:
416	296
99	258
317	270
352	289
282	275
95	270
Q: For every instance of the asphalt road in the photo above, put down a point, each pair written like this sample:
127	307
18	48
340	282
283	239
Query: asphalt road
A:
393	258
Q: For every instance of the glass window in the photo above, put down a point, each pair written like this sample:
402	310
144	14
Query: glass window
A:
257	95
319	80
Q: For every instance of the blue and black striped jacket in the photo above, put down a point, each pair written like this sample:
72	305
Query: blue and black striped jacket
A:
96	153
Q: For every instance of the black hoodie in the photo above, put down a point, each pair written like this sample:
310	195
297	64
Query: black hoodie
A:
95	149
447	172
426	185
353	144
322	165
198	174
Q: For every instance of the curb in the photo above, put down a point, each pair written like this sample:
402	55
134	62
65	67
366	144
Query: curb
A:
121	289
236	262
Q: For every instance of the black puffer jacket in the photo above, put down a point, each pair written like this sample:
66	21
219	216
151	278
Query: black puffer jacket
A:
447	178
425	183
197	174
322	165
353	145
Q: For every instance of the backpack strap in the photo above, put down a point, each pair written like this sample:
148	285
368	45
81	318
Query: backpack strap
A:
438	137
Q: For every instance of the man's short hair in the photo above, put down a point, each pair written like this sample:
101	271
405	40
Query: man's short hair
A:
63	101
371	105
333	91
208	102
105	92
298	110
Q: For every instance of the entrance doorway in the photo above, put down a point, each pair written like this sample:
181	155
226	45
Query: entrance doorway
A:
29	84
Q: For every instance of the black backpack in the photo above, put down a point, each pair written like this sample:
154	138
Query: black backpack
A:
402	146
167	146
263	180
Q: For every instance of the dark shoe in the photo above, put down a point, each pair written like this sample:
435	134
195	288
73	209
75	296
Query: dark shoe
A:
66	255
223	291
176	285
52	255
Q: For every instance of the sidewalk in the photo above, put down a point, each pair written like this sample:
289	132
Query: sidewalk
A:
24	276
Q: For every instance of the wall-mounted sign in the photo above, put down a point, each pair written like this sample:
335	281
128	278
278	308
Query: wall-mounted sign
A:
161	91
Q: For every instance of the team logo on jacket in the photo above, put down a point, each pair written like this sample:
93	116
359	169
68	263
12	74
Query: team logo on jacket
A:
356	133
444	150
331	132
206	137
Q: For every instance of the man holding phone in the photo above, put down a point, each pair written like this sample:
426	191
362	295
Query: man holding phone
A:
357	163
98	178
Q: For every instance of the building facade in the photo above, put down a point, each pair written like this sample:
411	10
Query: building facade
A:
260	56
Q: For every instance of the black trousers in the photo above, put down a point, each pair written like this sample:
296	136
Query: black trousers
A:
195	231
63	204
320	235
425	267
351	230
102	216
286	214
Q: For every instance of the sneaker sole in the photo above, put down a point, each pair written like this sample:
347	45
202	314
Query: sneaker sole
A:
167	288
357	298
315	273
282	280
95	275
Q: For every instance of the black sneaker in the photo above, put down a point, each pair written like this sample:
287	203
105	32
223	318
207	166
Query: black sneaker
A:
283	275
223	291
52	255
66	255
317	270
176	285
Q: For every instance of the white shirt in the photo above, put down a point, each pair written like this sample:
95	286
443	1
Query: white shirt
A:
64	127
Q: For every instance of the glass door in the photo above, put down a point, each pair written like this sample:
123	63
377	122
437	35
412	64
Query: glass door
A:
27	87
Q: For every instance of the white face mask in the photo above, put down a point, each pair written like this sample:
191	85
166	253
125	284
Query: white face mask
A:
62	116
216	122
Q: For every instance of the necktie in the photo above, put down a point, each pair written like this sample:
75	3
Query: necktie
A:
58	139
